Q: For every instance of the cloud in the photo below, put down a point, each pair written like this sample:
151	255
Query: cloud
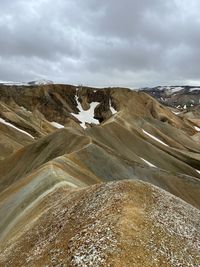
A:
121	43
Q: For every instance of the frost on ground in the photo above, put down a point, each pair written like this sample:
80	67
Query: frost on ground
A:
122	222
76	229
94	242
92	245
178	224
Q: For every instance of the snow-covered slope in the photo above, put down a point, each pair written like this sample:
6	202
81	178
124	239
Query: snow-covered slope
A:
86	116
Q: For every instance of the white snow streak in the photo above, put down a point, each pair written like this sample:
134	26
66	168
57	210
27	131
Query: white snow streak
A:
197	128
176	113
176	89
149	163
153	137
9	124
111	108
57	125
197	171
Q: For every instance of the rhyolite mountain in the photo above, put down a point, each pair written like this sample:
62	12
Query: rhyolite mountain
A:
98	177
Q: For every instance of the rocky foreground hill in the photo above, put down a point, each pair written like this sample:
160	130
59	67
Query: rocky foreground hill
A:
97	177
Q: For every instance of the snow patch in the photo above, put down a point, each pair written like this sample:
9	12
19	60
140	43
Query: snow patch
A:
194	89
86	116
176	113
149	163
111	108
11	125
57	125
153	137
24	109
178	221
197	128
173	89
176	89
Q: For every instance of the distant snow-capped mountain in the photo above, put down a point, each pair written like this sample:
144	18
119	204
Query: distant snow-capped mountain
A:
40	82
175	96
37	82
172	89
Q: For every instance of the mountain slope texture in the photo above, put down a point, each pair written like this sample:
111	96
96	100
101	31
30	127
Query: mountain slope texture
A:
97	177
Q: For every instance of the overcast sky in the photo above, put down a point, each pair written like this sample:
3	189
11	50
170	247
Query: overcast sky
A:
130	43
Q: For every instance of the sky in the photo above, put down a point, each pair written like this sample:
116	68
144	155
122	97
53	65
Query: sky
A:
129	43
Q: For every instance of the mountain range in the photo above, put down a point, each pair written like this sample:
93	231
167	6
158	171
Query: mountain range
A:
99	176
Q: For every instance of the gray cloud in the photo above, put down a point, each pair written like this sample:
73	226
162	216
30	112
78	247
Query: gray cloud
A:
121	43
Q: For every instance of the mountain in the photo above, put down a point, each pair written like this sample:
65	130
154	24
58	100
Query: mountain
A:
181	97
40	82
37	82
97	177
